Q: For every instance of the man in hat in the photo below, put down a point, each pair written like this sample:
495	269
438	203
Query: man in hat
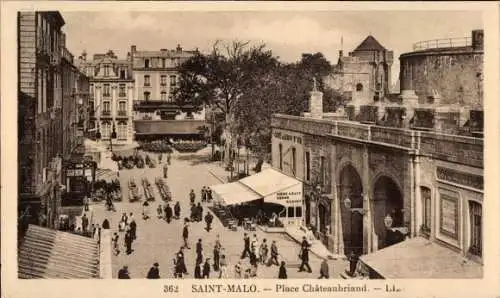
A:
168	213
304	256
199	212
274	254
199	251
177	210
208	220
353	261
154	272
85	223
206	269
192	196
185	233
203	194
246	249
123	273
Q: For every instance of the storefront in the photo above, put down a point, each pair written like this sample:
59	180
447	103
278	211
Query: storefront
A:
79	174
271	186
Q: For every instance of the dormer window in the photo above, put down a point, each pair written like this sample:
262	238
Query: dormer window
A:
106	70
146	63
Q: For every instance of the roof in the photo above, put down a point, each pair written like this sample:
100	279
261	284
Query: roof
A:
151	127
420	258
269	181
234	193
47	253
370	44
165	54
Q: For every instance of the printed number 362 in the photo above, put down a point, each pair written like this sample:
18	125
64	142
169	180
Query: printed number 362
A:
170	289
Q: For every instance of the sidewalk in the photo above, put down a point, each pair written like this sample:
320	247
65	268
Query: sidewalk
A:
217	170
317	248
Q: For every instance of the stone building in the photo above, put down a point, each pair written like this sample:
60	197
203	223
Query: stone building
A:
46	109
112	95
385	187
156	77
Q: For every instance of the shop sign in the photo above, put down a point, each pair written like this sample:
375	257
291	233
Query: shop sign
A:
470	180
286	137
290	198
449	216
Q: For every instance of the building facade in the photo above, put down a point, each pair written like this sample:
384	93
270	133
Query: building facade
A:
156	78
46	104
111	95
370	185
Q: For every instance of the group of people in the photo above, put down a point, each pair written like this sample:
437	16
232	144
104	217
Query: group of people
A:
129	227
258	253
206	194
168	213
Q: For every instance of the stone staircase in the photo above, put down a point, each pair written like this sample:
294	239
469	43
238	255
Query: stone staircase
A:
46	253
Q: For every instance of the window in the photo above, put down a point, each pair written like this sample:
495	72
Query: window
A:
121	134
163	62
147	81
173	83
91	88
163	96
294	160
91	108
146	63
308	166
146	96
280	148
476	235
322	171
427	208
122	74
106	108
105	130
106	90
122	92
106	70
122	108
298	211
359	87
291	212
163	80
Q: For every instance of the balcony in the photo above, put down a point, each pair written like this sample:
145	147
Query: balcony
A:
122	94
106	113
121	113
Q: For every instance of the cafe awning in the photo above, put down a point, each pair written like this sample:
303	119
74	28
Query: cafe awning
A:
234	193
420	258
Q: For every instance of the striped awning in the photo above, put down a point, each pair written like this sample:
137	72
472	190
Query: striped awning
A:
46	253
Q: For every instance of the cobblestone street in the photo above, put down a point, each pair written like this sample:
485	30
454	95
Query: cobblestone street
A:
158	241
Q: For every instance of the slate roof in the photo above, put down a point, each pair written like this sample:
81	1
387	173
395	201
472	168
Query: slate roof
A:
47	253
370	44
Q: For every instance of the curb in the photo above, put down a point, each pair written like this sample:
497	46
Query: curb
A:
217	177
330	256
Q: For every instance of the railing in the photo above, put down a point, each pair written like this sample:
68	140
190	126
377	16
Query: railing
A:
443	43
122	113
106	113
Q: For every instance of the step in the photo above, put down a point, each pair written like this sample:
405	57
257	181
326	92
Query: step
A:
50	270
28	251
49	248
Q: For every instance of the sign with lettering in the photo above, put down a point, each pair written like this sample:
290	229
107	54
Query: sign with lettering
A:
448	216
290	198
470	180
287	137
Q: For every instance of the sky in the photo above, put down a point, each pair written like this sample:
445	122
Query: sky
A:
287	33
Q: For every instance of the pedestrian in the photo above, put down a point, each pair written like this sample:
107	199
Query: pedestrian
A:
199	251
145	210
282	271
254	245
209	194
133	229
123	273
185	233
159	211
208	220
131	217
86	203
92	230
199	212
154	272
304	243
105	224
353	262
197	270
246	249
168	213
165	171
206	269
177	210
98	233
324	271
304	257
217	250
169	156
180	265
192	196
237	270
274	254
116	247
128	242
159	158
203	194
223	267
263	251
121	226
85	224
125	218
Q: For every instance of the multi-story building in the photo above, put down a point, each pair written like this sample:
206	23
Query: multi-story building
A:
45	106
394	186
156	77
111	95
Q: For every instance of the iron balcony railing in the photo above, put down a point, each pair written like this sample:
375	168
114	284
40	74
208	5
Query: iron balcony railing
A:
443	43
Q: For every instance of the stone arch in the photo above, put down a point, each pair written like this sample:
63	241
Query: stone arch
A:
350	185
387	199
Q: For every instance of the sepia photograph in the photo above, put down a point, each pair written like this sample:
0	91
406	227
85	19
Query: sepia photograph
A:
263	144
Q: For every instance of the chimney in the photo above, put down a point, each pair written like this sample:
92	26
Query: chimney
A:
478	40
316	102
133	49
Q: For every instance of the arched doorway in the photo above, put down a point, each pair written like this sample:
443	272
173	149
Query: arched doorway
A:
351	187
387	200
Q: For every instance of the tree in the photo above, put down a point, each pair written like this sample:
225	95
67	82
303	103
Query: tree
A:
221	78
